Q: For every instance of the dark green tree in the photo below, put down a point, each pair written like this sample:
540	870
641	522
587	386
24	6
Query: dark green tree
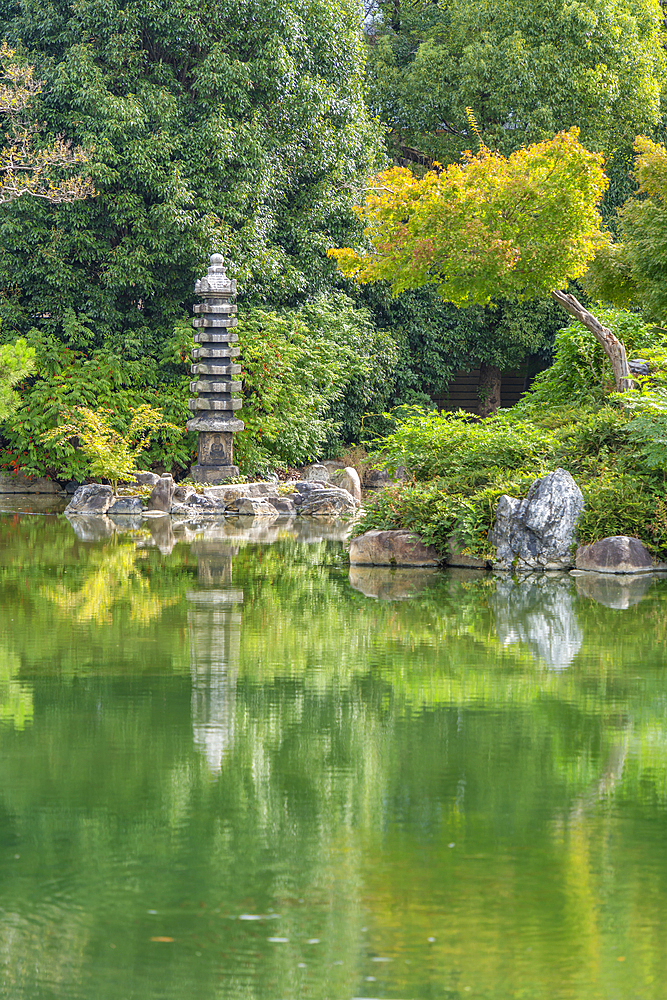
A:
526	69
238	126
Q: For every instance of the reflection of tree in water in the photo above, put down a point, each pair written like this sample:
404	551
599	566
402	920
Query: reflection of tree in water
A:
113	576
16	704
214	623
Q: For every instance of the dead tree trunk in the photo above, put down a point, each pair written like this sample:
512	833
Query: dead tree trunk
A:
488	389
611	345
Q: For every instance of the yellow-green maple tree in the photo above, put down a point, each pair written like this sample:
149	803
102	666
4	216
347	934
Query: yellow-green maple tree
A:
520	227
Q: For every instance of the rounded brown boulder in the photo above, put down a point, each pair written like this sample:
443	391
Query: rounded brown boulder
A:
392	548
616	554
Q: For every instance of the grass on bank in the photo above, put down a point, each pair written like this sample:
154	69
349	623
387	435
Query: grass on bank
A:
614	446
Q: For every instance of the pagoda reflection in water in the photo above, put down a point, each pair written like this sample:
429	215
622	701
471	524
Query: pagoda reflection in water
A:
214	623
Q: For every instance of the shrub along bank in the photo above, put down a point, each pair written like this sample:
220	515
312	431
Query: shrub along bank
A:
310	374
615	446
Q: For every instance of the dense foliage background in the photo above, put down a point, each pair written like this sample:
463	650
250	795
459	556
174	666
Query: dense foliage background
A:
250	128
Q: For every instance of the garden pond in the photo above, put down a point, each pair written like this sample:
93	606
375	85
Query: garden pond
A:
232	768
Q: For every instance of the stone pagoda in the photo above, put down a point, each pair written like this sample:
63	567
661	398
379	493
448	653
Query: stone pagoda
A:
213	357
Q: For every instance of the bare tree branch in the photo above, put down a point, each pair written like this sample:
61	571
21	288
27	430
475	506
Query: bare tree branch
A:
611	345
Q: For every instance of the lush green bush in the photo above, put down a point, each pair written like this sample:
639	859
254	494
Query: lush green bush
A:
67	378
580	372
16	362
309	375
614	445
429	443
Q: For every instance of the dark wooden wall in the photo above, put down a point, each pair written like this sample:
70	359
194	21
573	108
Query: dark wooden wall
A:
462	392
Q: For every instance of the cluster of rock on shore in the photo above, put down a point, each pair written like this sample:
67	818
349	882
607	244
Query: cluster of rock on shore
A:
531	535
319	494
534	534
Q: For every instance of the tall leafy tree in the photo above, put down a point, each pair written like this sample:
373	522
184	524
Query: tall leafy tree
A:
631	271
521	227
450	74
527	70
238	126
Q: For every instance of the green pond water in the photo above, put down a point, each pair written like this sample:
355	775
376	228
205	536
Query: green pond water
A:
230	767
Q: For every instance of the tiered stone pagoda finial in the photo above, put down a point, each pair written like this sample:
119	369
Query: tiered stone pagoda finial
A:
213	408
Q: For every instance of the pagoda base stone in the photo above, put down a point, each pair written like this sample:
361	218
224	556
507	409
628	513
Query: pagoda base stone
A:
213	473
215	448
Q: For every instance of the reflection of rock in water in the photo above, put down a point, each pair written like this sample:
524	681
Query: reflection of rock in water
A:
618	592
214	620
538	612
387	584
162	533
91	527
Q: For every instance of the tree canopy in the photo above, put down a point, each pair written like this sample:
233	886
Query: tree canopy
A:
519	226
632	270
239	126
527	68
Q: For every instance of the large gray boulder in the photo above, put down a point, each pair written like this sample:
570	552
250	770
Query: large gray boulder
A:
616	554
317	473
162	494
328	501
183	492
145	478
538	533
235	490
197	504
284	505
392	548
253	505
92	498
126	505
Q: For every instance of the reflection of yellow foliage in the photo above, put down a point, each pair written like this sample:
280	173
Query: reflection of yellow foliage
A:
114	578
15	698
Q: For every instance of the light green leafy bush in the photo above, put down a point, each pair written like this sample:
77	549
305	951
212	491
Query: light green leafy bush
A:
66	378
309	374
17	360
110	453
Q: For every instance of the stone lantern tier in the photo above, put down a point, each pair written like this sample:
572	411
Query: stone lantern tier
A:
214	369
